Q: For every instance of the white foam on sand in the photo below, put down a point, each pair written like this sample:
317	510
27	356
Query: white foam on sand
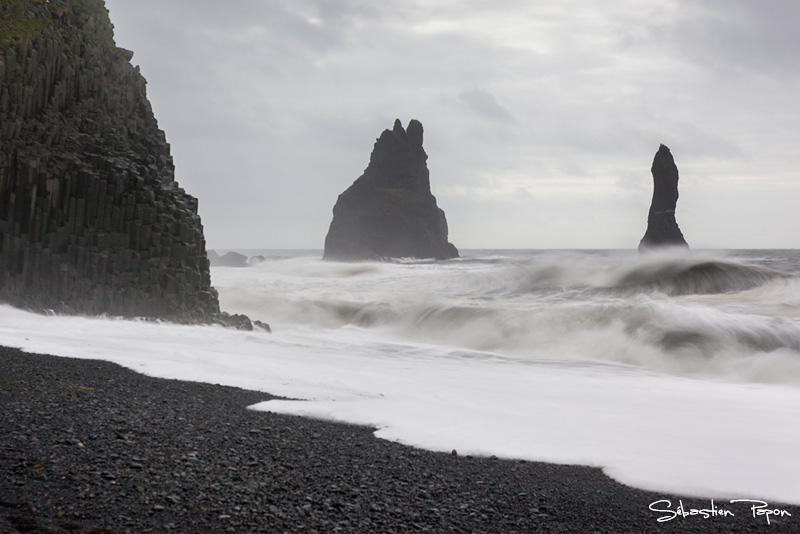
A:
649	430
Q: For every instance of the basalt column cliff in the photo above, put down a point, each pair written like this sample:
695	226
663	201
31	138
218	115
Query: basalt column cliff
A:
91	218
662	229
389	212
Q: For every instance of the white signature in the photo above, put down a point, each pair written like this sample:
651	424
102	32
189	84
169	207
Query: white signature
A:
757	508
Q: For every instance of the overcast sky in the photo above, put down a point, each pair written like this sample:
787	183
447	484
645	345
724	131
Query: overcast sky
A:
541	117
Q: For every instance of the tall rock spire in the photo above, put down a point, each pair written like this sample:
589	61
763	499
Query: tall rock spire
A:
662	228
389	212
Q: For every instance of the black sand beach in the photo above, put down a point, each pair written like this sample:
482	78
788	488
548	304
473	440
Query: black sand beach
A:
90	447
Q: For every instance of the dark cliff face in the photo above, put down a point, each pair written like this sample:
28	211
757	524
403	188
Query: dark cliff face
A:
91	218
389	212
662	229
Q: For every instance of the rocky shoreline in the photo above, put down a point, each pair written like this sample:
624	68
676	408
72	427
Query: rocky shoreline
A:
88	446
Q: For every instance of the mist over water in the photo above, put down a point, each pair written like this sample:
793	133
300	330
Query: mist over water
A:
672	372
719	316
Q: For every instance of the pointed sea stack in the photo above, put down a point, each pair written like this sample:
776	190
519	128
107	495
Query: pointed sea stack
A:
91	218
389	212
662	229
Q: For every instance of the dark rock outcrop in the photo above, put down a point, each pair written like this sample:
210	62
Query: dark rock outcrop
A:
662	229
91	218
229	259
389	212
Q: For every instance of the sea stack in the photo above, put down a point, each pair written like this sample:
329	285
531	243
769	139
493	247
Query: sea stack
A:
389	211
662	229
91	218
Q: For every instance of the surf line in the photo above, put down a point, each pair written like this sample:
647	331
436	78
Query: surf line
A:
758	508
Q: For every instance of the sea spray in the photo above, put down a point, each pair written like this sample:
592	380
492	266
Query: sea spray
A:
708	315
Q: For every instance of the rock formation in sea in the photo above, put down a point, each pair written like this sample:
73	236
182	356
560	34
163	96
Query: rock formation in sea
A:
389	211
91	218
229	259
662	229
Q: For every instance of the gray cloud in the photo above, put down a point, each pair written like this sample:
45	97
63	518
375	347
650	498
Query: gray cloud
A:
272	109
485	104
740	37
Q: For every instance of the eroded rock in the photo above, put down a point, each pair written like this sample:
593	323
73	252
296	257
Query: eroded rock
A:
389	212
662	228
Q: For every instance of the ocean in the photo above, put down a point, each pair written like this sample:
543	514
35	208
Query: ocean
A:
672	372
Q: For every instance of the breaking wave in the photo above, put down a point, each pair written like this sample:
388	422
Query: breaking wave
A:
682	277
702	315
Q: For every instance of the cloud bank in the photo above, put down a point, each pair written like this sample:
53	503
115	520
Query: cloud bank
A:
541	118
